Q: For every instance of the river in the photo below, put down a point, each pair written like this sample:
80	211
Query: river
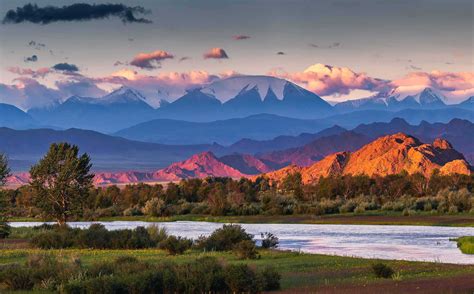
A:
415	243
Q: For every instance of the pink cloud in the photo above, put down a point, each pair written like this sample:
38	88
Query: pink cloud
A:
455	86
240	37
41	72
327	80
150	60
216	53
166	85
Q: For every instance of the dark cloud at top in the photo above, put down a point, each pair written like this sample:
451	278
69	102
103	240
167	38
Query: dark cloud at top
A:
32	58
66	67
75	12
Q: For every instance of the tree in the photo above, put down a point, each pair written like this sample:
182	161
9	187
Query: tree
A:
4	173
61	181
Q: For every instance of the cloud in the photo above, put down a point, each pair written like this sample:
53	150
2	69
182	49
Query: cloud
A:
281	53
455	86
216	53
28	93
75	12
39	73
36	45
184	58
32	58
313	45
81	87
240	37
150	60
66	67
330	80
335	45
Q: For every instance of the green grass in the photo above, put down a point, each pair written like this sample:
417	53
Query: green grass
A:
466	244
298	270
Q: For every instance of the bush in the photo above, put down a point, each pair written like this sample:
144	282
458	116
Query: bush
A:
154	207
157	234
54	239
382	270
176	245
246	250
242	279
97	236
224	238
270	278
17	277
269	240
205	275
5	229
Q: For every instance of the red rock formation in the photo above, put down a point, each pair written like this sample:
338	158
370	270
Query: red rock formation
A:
198	166
384	156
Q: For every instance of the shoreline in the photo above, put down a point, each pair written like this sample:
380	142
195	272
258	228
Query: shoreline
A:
458	220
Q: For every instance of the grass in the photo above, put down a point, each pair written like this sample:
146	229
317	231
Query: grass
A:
299	270
466	244
366	218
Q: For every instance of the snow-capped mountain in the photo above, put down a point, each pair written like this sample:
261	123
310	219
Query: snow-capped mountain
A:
229	88
244	96
119	109
428	98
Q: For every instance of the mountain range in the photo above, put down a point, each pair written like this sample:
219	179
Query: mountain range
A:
384	156
115	153
235	97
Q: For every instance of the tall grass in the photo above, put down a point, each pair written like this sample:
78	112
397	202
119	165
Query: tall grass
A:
466	244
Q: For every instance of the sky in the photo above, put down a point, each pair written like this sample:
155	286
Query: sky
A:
340	49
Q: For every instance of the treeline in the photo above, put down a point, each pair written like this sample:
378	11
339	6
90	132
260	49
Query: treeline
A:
224	196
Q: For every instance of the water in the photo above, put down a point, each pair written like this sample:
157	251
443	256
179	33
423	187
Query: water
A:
416	243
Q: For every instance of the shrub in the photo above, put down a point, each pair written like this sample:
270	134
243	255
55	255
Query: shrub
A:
269	240
157	233
54	239
242	279
246	250
270	278
176	245
224	238
205	275
154	207
382	270
96	237
17	277
5	229
140	239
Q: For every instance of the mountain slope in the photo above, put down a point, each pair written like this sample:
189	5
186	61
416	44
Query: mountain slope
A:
107	152
115	111
197	166
264	126
385	156
13	117
317	149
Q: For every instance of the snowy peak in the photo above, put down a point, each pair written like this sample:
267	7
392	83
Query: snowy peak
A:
429	97
123	95
229	88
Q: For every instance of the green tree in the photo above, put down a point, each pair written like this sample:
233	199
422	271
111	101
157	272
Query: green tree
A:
61	182
4	173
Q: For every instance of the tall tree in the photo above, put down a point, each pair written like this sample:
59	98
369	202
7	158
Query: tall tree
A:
4	173
61	181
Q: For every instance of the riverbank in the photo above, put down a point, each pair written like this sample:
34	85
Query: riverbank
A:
300	272
368	218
